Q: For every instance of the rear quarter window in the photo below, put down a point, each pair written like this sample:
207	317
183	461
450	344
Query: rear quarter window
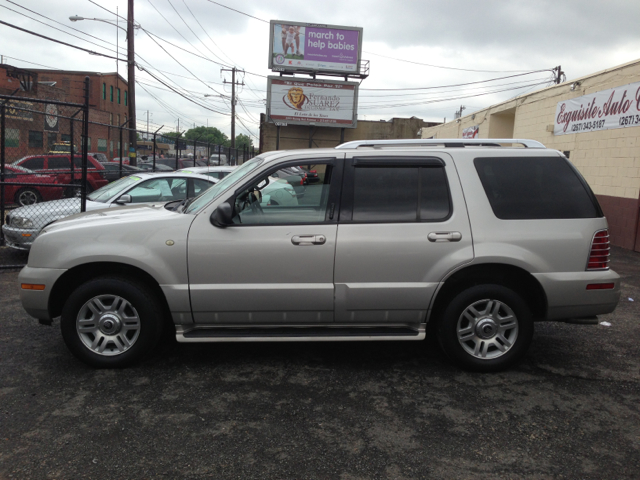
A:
525	188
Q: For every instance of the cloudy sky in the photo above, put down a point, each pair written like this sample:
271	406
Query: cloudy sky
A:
410	44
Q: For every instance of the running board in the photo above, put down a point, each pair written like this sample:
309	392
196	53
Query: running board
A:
207	334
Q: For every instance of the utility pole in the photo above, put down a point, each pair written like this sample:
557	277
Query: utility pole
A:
132	87
559	74
233	103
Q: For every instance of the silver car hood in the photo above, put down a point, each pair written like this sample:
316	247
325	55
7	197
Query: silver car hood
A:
107	216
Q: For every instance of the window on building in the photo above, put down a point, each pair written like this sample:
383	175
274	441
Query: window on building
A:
104	91
119	120
51	139
111	119
111	93
126	99
102	144
12	138
118	96
35	139
65	137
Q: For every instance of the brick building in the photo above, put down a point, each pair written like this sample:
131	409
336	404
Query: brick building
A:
108	108
594	120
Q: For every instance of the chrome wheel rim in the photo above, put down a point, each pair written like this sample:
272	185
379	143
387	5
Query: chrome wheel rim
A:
27	198
487	329
108	325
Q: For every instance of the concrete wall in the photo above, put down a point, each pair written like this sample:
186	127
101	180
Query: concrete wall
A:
297	136
608	159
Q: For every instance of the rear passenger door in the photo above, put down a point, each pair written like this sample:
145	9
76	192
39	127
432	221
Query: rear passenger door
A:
403	226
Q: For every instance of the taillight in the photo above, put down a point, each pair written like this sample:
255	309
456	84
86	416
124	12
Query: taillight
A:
599	253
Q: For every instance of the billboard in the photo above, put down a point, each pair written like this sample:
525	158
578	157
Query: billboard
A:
295	46
312	102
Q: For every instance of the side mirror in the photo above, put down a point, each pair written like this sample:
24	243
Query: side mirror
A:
124	199
222	216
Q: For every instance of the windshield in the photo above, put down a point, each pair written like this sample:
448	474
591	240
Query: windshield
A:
223	184
105	193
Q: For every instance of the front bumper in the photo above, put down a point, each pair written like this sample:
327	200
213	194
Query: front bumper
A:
36	302
19	238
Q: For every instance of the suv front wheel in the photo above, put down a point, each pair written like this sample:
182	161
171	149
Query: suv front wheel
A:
110	322
486	328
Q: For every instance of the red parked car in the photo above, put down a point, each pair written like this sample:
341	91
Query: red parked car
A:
29	194
60	166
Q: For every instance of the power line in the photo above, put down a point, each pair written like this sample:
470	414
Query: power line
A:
238	11
443	67
61	42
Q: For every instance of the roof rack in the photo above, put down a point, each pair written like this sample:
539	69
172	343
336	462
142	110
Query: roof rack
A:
445	142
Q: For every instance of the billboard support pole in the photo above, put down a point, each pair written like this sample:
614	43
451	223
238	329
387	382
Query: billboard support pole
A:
342	135
278	137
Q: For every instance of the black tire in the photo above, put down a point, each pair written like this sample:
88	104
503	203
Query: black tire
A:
27	196
482	336
130	314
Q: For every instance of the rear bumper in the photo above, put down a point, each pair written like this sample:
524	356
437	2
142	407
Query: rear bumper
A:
36	302
568	297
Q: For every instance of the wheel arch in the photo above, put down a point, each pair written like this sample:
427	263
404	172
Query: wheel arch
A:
76	276
515	278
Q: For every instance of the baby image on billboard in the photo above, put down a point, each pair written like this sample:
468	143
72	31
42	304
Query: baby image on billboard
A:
288	43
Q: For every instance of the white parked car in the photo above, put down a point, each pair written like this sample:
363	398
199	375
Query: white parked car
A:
23	225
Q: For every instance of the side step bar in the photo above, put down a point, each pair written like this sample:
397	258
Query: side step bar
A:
312	333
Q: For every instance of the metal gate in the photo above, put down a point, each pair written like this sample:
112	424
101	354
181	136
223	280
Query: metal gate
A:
44	170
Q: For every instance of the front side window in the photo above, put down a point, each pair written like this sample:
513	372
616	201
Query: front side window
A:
35	139
223	184
159	190
389	194
105	193
35	163
281	198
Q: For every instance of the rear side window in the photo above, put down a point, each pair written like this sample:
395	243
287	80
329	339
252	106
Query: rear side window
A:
400	194
58	162
525	188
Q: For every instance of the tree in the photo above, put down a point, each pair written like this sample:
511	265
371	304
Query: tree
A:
242	141
207	134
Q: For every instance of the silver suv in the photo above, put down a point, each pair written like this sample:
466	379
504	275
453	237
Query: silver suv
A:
479	237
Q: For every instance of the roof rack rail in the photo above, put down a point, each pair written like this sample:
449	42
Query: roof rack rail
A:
446	142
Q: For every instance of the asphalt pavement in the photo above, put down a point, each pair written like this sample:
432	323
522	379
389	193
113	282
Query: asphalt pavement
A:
348	411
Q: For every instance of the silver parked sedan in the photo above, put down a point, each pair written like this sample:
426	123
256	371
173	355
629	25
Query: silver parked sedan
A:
24	224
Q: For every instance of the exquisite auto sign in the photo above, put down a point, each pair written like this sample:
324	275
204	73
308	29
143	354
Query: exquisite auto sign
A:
312	102
305	46
614	108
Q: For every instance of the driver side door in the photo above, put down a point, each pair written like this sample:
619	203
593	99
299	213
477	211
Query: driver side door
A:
274	263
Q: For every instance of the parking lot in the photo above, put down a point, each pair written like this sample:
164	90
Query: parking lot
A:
323	410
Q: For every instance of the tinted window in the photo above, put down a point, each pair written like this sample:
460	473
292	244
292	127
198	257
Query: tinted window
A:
535	188
400	194
33	163
58	162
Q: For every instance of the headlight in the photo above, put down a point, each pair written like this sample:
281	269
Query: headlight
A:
21	222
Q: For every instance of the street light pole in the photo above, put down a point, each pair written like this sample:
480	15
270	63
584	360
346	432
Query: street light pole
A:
132	87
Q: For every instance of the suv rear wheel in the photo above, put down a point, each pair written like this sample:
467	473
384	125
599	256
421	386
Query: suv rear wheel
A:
110	322
486	328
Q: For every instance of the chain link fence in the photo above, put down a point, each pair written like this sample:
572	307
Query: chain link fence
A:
53	157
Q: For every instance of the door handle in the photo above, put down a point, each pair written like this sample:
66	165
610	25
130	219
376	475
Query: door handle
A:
444	236
303	240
